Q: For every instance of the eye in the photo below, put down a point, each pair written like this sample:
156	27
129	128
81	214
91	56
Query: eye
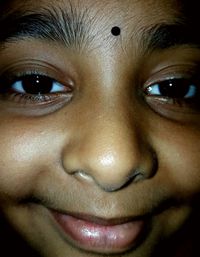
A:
174	88
36	85
175	99
35	90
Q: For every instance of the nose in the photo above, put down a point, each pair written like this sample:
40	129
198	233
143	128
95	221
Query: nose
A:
110	150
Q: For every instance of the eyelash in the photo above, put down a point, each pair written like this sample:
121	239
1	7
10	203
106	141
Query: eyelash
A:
15	88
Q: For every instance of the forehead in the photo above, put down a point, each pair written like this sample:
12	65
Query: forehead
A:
121	11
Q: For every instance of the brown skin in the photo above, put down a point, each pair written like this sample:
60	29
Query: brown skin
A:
107	129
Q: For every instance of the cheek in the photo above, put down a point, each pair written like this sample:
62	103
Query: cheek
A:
179	159
25	154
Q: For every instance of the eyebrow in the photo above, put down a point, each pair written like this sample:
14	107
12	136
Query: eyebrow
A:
68	27
163	36
72	28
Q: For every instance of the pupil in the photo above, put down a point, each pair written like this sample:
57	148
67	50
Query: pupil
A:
35	84
174	89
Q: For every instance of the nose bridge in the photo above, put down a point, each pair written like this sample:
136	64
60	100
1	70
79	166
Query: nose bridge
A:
112	143
112	150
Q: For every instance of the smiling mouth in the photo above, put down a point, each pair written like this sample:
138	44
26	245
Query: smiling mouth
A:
98	235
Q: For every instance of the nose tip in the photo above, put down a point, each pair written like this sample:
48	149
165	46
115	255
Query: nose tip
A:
112	168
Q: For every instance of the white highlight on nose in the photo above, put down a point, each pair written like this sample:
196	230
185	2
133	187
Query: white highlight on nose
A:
107	160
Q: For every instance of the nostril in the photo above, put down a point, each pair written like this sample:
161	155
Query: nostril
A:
82	175
135	177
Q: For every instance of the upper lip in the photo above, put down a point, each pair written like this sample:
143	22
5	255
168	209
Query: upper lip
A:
93	218
101	220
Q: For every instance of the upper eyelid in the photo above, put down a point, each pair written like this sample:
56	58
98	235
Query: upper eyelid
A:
20	77
41	67
174	71
190	80
11	78
20	74
181	76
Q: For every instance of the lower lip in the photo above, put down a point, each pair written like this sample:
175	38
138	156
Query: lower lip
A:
95	237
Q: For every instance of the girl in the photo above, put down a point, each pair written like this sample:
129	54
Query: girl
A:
100	128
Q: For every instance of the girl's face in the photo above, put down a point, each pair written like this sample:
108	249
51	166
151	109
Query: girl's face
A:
100	128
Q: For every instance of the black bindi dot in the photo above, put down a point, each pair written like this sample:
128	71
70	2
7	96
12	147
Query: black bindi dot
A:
116	31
